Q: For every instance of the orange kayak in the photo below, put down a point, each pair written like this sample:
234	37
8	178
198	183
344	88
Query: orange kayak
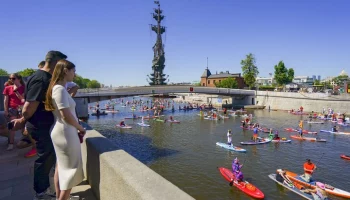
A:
329	189
308	138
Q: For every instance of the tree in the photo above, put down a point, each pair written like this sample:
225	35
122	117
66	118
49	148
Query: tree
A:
93	84
227	83
317	82
26	72
3	72
282	74
250	70
339	80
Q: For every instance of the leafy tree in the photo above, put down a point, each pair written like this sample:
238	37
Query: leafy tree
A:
282	74
250	70
80	81
317	82
227	83
339	80
197	84
3	72
93	84
26	72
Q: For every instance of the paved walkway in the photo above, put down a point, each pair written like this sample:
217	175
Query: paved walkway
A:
16	175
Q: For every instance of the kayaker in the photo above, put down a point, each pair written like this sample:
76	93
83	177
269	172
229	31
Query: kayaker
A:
229	137
319	193
122	123
171	118
309	168
334	129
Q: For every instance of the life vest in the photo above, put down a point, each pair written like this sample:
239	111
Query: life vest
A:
310	167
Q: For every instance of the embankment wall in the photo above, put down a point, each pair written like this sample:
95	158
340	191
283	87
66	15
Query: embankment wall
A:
310	101
114	174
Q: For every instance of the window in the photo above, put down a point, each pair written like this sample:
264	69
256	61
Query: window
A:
214	81
208	81
219	81
203	84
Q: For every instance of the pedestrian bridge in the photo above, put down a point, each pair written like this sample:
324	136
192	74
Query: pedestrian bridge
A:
100	94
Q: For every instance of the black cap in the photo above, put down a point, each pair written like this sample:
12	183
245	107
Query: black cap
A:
308	160
54	55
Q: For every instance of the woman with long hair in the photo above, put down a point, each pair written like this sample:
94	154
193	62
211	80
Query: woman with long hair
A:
66	132
13	102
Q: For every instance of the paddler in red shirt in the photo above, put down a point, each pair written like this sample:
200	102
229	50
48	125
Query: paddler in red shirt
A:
309	169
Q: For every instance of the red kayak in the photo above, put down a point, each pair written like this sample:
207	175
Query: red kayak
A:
304	131
244	186
346	157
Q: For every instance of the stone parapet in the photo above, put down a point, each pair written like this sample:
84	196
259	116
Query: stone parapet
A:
114	174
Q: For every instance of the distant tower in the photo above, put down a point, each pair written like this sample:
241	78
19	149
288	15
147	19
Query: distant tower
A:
157	77
319	78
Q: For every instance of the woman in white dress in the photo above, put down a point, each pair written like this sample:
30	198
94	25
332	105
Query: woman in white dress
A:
66	131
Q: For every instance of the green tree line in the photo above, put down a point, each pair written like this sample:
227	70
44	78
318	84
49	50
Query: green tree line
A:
81	81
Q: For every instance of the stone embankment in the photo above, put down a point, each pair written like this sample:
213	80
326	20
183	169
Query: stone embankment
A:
310	101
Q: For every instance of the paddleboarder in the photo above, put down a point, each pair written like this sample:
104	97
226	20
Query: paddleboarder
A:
236	169
229	137
309	168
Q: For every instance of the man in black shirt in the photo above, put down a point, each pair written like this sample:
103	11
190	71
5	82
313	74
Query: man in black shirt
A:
39	121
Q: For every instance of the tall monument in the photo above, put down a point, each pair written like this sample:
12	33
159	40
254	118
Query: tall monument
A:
158	77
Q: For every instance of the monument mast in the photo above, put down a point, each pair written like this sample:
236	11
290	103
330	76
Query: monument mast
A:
158	77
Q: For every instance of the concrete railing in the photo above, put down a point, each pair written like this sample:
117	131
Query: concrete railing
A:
114	174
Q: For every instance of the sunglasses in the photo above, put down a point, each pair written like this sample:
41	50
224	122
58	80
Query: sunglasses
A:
12	79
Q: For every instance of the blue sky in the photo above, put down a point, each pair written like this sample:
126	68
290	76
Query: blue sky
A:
110	41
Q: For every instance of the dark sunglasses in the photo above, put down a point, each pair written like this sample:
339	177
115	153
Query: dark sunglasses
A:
12	79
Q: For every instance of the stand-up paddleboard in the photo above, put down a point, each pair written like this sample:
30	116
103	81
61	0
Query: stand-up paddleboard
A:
304	131
312	122
210	118
340	133
131	117
230	147
244	186
159	120
143	124
112	111
100	114
281	141
260	141
123	127
329	189
173	121
297	137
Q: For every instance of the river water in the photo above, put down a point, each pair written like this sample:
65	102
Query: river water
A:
186	154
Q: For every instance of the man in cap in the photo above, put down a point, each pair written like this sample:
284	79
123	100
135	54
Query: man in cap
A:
309	169
38	122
